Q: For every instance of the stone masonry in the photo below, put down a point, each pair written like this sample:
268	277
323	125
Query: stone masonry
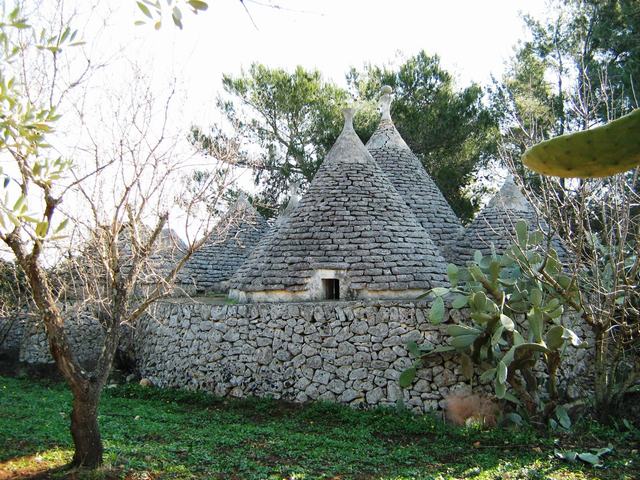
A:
347	352
353	226
493	229
210	268
12	331
27	338
256	259
413	183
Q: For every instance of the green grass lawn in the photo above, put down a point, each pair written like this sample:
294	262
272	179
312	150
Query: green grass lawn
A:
151	433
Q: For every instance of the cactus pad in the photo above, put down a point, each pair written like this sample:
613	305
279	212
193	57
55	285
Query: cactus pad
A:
599	152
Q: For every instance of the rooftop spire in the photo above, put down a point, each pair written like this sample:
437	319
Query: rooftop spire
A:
386	134
510	197
293	188
294	198
348	114
385	102
242	200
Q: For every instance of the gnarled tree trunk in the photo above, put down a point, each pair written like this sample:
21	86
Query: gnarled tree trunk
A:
86	389
85	430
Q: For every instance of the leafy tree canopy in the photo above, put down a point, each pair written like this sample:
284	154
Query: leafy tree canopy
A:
580	68
294	118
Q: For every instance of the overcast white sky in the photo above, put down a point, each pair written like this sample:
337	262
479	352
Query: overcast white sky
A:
473	38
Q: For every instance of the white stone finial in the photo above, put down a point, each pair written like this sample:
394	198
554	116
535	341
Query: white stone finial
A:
348	113
510	197
385	102
294	199
241	204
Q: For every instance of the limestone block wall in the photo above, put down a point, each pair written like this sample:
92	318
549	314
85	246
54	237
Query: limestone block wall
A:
348	352
576	371
26	338
12	331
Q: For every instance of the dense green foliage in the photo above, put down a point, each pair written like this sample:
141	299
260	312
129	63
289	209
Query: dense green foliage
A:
294	118
177	434
616	48
580	68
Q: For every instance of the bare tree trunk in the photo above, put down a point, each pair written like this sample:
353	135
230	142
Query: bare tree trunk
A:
86	389
84	428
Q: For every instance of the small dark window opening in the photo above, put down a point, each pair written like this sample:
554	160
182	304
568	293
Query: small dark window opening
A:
331	288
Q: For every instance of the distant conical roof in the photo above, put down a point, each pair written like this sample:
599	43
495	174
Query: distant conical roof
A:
351	228
170	248
235	236
493	229
411	180
170	238
257	258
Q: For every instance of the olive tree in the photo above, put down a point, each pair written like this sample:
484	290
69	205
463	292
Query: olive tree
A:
110	199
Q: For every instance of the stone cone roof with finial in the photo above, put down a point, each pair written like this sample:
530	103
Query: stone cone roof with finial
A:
351	225
413	183
493	229
236	235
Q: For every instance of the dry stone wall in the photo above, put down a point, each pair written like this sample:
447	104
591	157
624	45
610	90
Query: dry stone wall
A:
348	352
27	340
12	331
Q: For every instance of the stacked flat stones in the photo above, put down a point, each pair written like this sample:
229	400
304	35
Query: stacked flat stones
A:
493	229
170	248
256	259
235	237
353	220
412	182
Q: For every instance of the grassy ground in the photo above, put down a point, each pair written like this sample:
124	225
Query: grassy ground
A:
151	433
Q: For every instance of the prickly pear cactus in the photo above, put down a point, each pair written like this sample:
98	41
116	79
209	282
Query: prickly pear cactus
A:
599	152
515	321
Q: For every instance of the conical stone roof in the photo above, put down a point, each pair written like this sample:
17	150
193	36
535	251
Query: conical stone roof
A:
350	227
257	258
169	250
413	183
236	235
493	229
